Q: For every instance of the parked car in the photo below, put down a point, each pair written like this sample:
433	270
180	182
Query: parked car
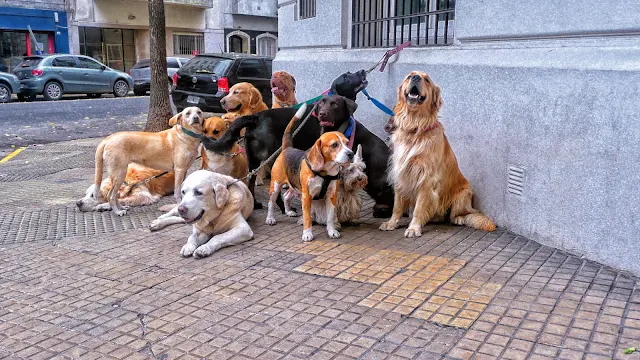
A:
9	84
55	75
141	73
206	79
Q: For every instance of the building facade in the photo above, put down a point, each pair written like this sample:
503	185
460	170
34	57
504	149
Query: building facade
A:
48	22
540	101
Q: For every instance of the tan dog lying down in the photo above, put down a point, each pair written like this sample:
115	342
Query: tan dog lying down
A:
423	167
171	150
218	207
138	191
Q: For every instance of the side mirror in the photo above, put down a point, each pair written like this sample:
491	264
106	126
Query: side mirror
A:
103	68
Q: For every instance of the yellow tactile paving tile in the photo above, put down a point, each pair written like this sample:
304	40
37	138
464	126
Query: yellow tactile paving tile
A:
421	286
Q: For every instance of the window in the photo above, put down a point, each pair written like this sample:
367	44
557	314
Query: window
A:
306	9
386	23
114	47
206	65
252	68
186	44
267	45
64	61
89	64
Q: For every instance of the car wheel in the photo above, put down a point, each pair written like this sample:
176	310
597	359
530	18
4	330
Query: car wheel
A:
120	88
52	91
5	94
94	96
23	97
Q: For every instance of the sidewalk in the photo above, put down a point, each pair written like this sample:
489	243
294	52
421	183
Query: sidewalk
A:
93	285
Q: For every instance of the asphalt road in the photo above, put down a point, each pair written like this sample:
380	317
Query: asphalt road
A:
39	122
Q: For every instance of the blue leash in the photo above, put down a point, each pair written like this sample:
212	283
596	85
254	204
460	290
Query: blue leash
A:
378	104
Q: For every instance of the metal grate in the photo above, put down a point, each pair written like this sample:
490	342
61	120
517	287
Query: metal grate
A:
385	23
515	180
306	9
187	44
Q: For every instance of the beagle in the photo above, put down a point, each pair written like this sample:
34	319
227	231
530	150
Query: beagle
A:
313	173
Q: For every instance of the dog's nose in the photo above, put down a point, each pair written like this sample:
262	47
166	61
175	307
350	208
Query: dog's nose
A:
322	113
359	178
79	203
223	101
182	210
416	78
350	155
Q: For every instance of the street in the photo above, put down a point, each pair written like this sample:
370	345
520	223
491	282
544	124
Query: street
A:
38	122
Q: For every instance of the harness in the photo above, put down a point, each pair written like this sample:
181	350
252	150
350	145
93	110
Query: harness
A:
326	181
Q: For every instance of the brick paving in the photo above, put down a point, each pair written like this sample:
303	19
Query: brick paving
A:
94	286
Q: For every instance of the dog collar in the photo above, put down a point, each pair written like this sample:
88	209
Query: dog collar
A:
191	133
326	180
432	127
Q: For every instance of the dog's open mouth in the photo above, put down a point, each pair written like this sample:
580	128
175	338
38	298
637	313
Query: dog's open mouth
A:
414	97
191	221
325	123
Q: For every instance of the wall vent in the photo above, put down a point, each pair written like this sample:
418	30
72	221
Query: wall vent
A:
515	180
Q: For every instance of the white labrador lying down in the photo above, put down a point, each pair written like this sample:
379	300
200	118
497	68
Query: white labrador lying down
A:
218	207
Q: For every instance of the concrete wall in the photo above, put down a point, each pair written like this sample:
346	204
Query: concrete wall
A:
561	105
34	4
115	12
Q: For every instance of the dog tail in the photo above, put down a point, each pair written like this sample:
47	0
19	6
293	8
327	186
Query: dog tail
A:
477	220
287	138
231	136
99	168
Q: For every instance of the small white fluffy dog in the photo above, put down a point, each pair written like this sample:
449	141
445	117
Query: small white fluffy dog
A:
353	178
218	207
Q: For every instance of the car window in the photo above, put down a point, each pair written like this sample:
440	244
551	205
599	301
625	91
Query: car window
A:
173	63
89	64
64	61
145	63
29	62
252	68
206	65
184	61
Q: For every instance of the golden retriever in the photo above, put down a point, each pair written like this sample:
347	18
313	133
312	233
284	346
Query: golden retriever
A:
243	99
283	87
423	168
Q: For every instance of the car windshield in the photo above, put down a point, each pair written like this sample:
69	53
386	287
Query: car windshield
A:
206	65
142	64
29	62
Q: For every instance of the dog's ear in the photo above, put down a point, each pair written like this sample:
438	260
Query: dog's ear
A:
293	82
222	195
315	157
358	156
351	105
437	99
255	97
175	120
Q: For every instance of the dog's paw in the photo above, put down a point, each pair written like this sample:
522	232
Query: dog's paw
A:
187	250
103	207
202	252
270	221
307	235
120	212
413	231
389	225
155	225
125	207
291	213
333	234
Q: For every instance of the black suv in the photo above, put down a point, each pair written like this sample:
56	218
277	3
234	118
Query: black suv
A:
206	79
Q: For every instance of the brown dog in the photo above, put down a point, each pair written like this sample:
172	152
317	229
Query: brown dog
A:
233	163
424	169
283	87
243	99
144	186
170	150
314	173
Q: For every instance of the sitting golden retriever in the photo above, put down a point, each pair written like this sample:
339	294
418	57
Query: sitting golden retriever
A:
283	87
243	99
423	168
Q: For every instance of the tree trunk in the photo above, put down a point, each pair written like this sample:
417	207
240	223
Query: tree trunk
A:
159	103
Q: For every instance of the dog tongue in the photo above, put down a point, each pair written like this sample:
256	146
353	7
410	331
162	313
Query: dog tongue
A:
276	90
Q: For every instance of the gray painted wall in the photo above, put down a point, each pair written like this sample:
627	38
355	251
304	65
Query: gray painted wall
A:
564	109
34	4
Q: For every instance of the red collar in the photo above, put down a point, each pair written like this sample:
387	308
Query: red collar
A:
432	127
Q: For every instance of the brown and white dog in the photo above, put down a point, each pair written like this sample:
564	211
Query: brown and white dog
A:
171	150
313	173
353	179
243	99
424	169
233	163
283	87
138	191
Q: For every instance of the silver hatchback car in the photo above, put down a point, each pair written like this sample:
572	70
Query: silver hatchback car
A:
141	73
56	75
